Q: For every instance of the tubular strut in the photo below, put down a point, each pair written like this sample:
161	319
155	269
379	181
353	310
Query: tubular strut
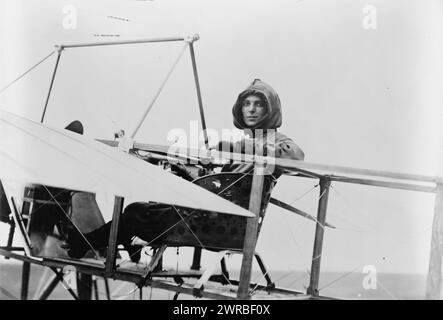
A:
59	52
325	184
198	251
188	42
197	86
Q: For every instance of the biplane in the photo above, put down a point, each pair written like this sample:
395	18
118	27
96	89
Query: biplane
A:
47	192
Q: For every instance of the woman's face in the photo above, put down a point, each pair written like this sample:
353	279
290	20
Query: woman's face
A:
253	110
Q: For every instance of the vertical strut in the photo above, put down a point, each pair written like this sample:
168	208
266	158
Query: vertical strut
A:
60	49
108	293
434	281
198	251
112	247
199	96
251	233
325	183
25	280
196	259
84	286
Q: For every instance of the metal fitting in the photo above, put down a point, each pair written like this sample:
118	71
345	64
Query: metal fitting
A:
191	39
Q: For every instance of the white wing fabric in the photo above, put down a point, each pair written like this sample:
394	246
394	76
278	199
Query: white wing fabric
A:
34	153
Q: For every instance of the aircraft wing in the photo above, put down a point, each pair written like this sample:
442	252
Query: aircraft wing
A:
34	153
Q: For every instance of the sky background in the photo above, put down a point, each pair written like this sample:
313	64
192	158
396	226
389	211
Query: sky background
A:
350	97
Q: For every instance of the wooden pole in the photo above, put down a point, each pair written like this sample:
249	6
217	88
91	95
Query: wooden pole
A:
94	282
196	259
198	251
25	280
251	233
434	281
49	288
325	183
11	234
108	292
386	184
199	96
60	49
112	43
84	286
112	247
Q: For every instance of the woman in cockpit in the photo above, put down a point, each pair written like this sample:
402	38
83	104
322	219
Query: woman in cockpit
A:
256	110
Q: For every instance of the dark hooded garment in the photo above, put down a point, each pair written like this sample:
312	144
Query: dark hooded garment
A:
274	115
275	143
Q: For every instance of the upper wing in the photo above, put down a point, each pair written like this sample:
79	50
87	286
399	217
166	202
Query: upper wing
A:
35	153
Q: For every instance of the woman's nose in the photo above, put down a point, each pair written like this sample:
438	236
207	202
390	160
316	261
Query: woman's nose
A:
251	108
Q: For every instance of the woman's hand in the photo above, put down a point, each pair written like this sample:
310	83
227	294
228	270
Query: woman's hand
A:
181	170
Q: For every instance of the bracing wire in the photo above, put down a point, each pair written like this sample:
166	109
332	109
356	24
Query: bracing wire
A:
69	218
26	72
189	215
351	207
293	235
196	237
338	279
